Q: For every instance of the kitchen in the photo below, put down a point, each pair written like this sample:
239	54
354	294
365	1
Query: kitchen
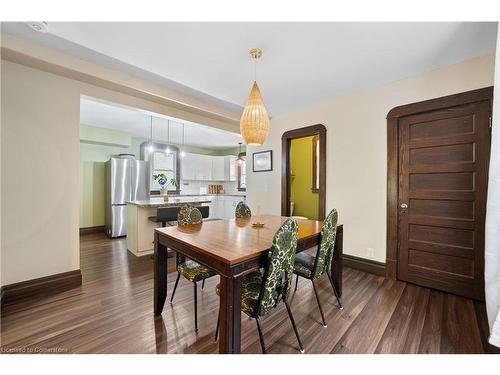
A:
133	163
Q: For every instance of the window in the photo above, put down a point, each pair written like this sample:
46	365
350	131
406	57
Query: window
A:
242	171
315	166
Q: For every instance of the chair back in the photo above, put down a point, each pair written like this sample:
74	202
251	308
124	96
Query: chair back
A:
326	247
187	215
242	210
278	271
164	214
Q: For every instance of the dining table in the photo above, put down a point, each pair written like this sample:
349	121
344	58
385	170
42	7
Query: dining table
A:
232	248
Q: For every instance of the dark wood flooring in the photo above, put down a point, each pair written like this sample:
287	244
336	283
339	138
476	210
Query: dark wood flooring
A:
112	312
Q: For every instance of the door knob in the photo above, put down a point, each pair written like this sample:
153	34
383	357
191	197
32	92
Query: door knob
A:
403	206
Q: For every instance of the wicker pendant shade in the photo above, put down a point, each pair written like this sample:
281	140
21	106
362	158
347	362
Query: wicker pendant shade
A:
254	122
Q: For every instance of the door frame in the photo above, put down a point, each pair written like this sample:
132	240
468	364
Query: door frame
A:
393	120
286	141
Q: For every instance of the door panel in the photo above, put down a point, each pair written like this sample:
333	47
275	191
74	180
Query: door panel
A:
120	181
443	164
118	220
140	180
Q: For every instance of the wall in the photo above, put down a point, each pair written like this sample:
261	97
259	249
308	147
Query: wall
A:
40	159
357	147
301	160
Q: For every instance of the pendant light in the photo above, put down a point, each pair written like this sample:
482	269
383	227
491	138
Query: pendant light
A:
254	122
168	138
151	147
240	158
183	153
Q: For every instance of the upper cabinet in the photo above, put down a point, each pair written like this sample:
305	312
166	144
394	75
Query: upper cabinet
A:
199	167
230	168
218	168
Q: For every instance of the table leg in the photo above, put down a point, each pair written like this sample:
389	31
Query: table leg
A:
337	262
160	276
230	315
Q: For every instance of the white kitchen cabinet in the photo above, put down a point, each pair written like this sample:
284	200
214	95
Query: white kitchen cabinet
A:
188	167
197	167
218	168
230	168
204	168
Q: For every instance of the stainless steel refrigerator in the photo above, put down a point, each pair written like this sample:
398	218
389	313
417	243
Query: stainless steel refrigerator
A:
127	179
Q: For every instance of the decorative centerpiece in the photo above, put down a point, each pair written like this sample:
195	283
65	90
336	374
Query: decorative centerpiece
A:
163	180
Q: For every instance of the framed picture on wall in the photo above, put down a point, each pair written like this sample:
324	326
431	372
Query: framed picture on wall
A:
262	161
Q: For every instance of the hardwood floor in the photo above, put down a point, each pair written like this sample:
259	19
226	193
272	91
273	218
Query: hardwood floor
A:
112	312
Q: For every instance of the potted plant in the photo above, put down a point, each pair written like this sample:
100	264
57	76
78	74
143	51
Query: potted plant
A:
162	180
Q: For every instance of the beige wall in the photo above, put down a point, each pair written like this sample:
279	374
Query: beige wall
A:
356	149
40	174
40	165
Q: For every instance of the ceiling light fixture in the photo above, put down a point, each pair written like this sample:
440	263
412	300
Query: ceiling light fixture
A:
41	27
254	122
182	149
240	158
167	150
151	147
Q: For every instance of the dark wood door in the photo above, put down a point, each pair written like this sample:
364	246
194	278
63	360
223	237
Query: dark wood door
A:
443	172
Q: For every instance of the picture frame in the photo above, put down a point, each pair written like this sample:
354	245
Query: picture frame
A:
262	161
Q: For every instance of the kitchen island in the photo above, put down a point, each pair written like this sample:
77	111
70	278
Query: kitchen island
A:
140	230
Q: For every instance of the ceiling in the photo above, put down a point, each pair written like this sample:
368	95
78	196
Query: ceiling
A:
138	124
302	63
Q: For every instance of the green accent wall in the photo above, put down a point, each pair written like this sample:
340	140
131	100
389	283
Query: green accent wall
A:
97	145
301	161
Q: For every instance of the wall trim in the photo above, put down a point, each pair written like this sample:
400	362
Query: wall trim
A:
43	285
180	104
91	230
286	141
366	265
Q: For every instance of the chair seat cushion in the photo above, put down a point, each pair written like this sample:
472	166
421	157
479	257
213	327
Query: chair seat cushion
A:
304	264
194	271
250	290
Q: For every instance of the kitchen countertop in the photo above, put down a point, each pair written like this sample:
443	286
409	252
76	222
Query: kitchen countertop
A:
206	195
159	202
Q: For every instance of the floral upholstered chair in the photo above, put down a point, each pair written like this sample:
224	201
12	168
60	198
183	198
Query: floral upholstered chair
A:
261	291
186	267
311	267
242	210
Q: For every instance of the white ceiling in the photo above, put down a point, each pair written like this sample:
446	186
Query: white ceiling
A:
303	63
138	124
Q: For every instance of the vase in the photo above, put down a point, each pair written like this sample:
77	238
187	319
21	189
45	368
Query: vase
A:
165	195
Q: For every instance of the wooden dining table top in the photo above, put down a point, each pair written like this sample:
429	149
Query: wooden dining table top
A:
236	240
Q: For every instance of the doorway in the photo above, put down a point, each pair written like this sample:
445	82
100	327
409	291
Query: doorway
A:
438	157
303	177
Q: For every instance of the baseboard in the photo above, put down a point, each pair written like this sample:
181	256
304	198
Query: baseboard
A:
366	265
43	285
91	230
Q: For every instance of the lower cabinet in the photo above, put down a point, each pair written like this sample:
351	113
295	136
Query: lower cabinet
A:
223	206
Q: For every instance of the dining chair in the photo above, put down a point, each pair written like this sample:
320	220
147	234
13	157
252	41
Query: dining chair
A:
313	267
186	267
262	290
242	210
